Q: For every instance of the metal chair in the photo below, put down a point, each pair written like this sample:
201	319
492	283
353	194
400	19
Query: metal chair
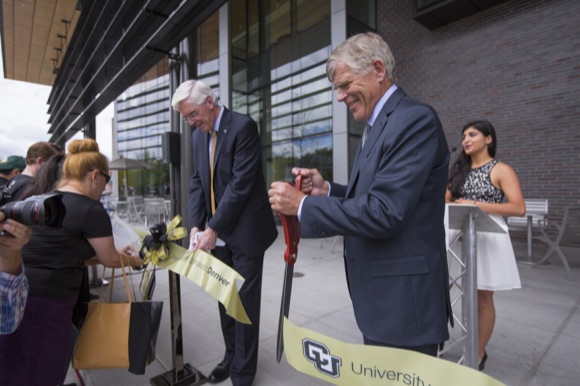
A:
135	209
568	235
155	210
536	217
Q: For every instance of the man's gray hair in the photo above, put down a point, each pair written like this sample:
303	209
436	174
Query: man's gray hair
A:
358	53
191	91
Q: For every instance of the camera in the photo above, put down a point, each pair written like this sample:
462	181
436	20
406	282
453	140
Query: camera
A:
45	209
155	240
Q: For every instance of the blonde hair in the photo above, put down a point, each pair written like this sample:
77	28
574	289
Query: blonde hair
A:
83	157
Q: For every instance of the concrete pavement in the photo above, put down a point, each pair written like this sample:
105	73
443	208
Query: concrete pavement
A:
536	339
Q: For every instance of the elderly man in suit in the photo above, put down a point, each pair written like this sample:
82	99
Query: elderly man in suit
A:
391	212
228	199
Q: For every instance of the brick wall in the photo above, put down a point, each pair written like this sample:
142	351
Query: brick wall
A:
517	65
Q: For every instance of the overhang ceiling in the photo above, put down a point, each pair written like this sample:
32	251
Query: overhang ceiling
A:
35	36
113	44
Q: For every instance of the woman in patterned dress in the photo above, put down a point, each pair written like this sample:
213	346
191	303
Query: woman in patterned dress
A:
477	178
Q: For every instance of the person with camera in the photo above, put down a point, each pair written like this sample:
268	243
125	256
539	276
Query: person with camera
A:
13	283
18	185
37	352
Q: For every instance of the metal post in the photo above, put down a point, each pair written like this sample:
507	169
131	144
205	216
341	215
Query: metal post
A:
182	373
469	304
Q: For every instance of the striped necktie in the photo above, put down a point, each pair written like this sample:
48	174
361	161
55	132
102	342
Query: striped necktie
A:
365	134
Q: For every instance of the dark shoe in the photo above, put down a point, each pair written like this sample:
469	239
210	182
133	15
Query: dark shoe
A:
220	373
482	363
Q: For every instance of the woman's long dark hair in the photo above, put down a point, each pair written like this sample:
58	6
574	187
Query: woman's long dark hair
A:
462	164
47	177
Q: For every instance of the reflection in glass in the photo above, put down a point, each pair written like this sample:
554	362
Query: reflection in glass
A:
279	49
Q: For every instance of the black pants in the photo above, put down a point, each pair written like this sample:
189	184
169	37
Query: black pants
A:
241	339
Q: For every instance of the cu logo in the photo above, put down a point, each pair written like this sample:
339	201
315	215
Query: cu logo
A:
318	354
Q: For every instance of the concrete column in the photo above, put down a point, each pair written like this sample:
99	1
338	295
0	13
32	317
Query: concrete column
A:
340	153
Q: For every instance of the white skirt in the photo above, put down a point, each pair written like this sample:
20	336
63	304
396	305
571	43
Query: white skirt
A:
496	262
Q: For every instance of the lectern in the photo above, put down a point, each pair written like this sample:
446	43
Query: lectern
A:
469	219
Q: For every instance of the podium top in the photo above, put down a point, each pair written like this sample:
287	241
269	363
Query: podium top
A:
457	214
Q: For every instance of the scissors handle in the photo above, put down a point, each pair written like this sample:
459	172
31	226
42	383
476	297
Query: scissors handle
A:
291	227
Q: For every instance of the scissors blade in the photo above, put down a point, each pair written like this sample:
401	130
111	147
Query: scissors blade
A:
291	227
284	308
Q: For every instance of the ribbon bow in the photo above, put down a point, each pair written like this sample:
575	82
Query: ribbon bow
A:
156	246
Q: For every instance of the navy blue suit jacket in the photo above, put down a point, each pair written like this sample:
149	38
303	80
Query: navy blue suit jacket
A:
243	217
391	215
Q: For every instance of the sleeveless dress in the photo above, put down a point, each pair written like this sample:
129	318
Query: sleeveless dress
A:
496	262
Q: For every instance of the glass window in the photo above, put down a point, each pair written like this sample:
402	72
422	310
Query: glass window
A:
425	3
282	82
309	13
278	21
208	39
361	16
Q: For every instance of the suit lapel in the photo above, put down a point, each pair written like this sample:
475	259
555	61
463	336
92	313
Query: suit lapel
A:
378	126
222	132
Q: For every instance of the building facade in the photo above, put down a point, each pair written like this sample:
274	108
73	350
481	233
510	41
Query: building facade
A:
514	63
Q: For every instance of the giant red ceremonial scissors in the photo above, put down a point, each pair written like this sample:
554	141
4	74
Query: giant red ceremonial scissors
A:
291	227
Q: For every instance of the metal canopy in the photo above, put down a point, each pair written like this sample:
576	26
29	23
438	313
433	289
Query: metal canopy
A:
114	44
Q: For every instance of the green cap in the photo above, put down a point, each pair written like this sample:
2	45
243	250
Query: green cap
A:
12	162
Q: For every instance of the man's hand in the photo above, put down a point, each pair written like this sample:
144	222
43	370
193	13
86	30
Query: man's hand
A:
192	236
285	198
206	241
17	237
312	182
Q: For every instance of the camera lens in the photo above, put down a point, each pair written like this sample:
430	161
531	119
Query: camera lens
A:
21	211
46	209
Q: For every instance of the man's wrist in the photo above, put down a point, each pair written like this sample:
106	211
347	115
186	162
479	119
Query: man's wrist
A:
11	263
13	272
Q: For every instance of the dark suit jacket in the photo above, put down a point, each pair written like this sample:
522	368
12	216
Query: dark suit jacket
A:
243	217
393	228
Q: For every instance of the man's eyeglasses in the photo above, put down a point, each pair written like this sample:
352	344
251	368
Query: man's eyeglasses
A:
107	177
191	116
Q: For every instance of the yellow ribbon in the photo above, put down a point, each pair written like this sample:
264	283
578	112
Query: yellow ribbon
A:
216	278
355	364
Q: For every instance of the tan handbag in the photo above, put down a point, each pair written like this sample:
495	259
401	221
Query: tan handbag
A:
118	335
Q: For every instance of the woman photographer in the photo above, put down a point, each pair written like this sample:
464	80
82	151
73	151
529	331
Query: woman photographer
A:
54	259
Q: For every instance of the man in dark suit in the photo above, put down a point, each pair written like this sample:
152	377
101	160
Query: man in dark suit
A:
234	208
391	212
